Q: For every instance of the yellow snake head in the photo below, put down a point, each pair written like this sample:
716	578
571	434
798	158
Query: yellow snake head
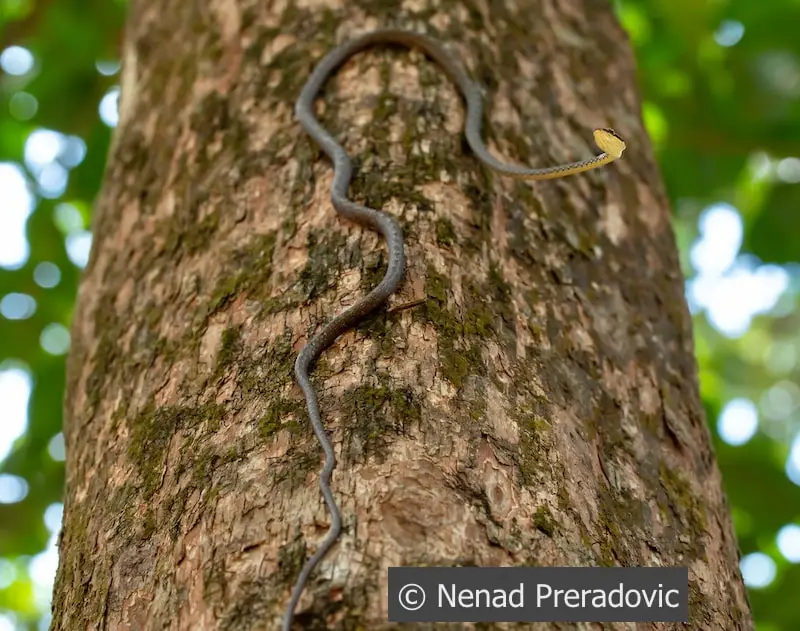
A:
609	142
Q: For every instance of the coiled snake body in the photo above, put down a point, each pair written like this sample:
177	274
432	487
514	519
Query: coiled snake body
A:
608	141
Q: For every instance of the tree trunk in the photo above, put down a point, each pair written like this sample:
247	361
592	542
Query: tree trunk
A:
540	408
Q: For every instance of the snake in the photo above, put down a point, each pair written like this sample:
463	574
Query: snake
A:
607	140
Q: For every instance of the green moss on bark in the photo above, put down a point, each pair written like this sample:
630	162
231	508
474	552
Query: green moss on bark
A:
229	350
685	506
281	413
325	254
372	413
151	432
445	233
543	521
535	443
462	336
251	268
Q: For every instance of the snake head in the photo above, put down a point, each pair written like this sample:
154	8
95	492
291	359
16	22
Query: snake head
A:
610	142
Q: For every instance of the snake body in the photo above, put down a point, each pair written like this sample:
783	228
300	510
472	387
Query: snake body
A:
608	141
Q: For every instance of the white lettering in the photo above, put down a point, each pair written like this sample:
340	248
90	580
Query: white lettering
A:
667	597
477	596
635	593
571	595
451	597
617	592
546	595
649	601
490	599
539	593
599	599
521	597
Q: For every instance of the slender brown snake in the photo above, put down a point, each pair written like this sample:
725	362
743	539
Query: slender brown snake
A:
607	140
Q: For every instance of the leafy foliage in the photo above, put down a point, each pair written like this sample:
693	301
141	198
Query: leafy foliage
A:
721	88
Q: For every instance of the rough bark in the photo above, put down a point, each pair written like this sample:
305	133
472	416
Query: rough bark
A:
540	408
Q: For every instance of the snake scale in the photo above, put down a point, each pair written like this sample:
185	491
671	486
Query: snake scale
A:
607	140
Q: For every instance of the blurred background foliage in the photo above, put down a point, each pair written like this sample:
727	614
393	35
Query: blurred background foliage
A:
720	82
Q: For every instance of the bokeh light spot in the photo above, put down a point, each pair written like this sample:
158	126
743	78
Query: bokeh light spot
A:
79	246
23	106
13	488
53	516
722	230
788	170
16	306
55	339
42	148
47	275
15	391
73	151
109	107
738	422
16	60
17	206
729	33
52	180
56	448
758	570
7	573
789	542
68	218
107	68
